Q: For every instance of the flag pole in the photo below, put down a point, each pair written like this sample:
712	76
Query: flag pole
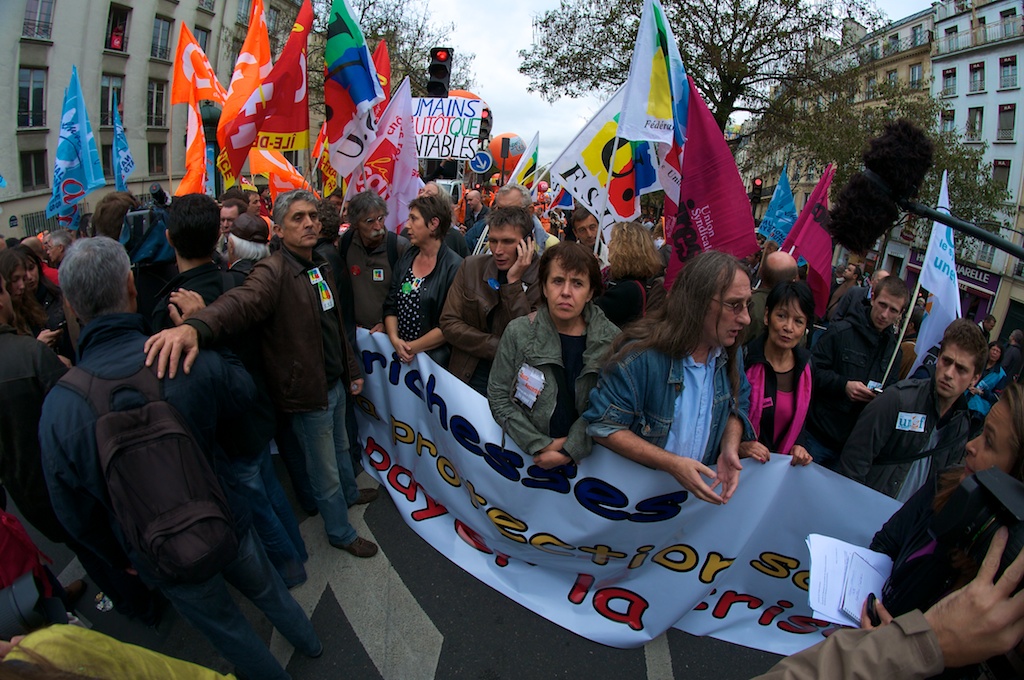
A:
903	330
170	160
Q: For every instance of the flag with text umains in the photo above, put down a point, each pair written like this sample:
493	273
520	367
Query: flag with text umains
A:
351	90
77	168
251	67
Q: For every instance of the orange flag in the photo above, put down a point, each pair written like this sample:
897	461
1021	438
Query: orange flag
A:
194	181
382	62
282	174
192	71
252	66
323	158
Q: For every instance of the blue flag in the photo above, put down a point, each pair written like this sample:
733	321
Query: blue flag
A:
77	169
3	182
124	164
780	216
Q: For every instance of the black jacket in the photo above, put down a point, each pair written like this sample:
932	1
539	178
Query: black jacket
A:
433	293
884	445
850	349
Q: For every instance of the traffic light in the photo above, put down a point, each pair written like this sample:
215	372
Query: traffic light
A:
439	73
485	125
755	189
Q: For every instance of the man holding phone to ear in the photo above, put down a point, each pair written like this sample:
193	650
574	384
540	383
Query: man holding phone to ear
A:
489	291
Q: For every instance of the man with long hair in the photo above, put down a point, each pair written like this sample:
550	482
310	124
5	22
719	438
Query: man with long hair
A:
674	396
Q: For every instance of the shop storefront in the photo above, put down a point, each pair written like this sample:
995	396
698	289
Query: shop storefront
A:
978	287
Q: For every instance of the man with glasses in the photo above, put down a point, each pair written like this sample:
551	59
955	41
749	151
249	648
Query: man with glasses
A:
850	362
674	396
369	252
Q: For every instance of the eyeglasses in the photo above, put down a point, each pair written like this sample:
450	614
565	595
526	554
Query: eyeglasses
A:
736	307
375	220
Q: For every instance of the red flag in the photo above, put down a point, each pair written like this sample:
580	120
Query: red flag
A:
276	111
714	211
194	181
809	239
382	62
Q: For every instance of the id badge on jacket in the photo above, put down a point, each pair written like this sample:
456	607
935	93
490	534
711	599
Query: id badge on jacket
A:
529	383
317	279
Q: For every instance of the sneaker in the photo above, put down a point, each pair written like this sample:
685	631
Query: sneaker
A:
366	496
359	547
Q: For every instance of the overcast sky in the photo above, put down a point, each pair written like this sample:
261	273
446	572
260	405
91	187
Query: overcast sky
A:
496	37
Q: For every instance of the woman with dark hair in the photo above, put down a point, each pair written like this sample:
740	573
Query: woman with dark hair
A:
635	285
419	287
20	269
779	372
547	362
924	570
988	388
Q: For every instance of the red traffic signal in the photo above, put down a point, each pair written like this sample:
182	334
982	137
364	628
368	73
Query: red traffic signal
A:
755	189
440	54
439	72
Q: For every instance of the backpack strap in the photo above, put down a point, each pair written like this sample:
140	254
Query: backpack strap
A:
391	239
345	243
643	298
99	392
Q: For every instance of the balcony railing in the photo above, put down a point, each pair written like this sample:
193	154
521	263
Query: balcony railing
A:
31	118
1008	80
1004	135
866	55
972	135
1008	28
977	86
948	90
156	120
916	84
160	52
36	29
207	5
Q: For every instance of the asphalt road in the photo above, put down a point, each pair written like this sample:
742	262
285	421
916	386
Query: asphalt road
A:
410	614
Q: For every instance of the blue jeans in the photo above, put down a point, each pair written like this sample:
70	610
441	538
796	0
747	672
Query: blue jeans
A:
272	516
820	454
209	607
323	438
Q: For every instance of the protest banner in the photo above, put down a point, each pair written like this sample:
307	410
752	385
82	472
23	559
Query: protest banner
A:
447	127
611	550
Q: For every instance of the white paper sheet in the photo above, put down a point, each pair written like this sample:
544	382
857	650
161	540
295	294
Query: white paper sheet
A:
830	564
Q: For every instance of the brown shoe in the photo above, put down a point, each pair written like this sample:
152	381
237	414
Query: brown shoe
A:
74	591
359	547
366	496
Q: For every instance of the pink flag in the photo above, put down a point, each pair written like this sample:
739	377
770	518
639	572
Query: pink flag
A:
809	239
713	209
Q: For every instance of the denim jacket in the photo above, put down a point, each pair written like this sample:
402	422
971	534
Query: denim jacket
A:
633	395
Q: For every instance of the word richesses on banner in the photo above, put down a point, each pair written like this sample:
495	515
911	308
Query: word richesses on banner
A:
589	539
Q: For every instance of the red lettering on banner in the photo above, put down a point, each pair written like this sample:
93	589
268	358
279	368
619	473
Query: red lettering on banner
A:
635	608
803	625
579	589
704	606
769	614
433	509
731	597
408	490
372	449
474	539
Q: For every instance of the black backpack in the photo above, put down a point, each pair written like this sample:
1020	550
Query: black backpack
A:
163	491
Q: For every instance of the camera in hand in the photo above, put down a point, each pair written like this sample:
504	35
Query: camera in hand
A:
983	502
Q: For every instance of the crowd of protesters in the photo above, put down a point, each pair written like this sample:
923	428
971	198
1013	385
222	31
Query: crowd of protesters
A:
249	326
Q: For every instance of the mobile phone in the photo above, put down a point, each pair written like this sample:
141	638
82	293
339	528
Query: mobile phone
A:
62	325
876	390
873	616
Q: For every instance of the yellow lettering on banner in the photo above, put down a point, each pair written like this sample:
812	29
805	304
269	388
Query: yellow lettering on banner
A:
448	472
538	541
602	554
713	564
802	580
401	432
775	565
506	524
476	499
367	407
424	443
640	556
688	562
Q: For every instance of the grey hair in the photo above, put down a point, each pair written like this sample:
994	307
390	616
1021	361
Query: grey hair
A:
248	250
284	203
524	194
364	203
61	237
93	275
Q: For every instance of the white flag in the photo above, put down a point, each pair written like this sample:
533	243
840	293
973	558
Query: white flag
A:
938	277
525	172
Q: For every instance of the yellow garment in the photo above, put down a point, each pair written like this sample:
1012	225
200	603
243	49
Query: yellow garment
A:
87	652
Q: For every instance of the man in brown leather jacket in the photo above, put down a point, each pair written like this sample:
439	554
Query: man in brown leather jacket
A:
291	298
489	291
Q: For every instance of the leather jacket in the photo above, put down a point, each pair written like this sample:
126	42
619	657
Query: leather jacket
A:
467	320
278	299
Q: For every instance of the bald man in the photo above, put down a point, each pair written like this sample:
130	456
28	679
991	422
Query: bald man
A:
475	208
857	295
778	267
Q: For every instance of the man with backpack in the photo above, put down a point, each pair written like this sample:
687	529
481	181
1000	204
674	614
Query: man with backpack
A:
369	251
129	461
